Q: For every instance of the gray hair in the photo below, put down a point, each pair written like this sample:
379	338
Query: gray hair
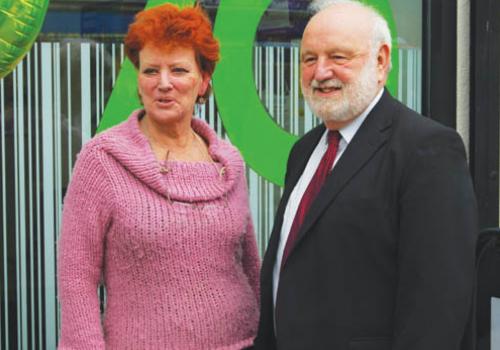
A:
381	34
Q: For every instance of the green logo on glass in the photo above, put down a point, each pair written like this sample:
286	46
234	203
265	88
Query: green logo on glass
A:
264	145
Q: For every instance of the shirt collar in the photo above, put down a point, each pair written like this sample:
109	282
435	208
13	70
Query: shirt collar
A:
348	131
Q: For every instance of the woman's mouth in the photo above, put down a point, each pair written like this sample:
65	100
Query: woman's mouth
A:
164	102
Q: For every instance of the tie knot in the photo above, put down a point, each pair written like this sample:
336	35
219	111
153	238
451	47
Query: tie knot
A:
333	137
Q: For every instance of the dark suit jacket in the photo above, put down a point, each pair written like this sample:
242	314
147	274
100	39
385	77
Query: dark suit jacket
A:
385	257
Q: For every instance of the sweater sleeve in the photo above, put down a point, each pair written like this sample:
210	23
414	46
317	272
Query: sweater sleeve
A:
86	216
251	259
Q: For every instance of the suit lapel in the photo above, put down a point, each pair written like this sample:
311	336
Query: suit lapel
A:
372	134
298	161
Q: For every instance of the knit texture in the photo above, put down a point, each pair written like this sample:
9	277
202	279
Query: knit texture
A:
176	251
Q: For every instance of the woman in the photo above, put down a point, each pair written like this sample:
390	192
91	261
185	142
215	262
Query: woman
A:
157	210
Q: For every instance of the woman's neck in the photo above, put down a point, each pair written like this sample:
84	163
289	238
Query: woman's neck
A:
174	136
177	141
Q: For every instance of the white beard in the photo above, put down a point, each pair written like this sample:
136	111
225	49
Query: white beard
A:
355	98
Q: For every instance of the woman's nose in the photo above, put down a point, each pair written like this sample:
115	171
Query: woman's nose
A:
165	82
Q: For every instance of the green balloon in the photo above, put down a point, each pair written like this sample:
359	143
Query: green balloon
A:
20	23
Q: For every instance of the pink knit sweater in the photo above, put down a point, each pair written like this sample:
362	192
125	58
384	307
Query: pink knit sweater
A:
180	273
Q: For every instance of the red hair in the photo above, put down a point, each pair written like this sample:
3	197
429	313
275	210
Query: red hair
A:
168	26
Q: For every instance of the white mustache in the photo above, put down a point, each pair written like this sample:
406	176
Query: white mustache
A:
330	83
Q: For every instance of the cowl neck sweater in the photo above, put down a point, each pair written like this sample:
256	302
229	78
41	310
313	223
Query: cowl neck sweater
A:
187	181
175	250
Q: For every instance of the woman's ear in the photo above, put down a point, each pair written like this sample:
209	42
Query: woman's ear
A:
204	85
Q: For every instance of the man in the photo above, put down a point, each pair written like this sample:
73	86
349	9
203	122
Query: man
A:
380	254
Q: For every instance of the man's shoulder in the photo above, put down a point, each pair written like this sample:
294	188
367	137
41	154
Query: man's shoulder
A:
409	126
413	133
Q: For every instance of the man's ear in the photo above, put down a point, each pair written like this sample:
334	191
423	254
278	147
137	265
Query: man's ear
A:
383	63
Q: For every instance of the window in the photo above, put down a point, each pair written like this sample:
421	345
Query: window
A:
54	101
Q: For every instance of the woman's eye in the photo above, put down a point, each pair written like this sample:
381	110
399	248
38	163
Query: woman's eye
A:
149	71
179	70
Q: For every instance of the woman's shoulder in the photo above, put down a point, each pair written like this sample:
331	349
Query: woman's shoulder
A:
230	157
120	136
218	146
226	146
223	152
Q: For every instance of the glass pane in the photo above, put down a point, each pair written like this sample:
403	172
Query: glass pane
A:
495	323
54	100
276	58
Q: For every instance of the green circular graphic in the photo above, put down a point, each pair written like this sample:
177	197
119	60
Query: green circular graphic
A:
264	145
20	22
262	142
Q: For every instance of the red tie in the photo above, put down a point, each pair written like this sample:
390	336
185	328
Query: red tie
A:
312	190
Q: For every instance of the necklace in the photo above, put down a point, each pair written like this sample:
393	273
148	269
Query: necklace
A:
202	148
203	156
194	150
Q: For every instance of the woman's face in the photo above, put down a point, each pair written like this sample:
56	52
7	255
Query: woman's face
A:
169	83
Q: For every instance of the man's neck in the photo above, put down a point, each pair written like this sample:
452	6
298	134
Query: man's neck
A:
339	125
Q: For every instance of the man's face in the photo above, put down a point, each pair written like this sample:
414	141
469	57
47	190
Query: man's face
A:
340	74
